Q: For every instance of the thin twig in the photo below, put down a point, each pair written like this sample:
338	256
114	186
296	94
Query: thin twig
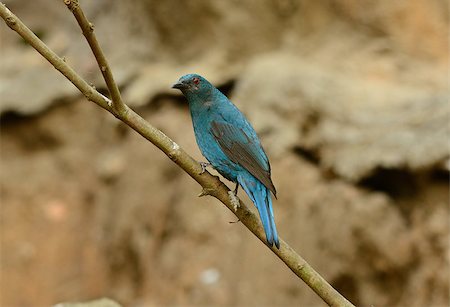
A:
88	32
211	184
16	24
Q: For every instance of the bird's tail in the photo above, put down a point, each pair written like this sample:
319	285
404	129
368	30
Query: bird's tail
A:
262	199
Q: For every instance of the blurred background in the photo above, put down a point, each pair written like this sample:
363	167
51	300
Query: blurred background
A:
349	97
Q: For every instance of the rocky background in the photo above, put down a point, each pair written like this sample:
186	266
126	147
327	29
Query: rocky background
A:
349	97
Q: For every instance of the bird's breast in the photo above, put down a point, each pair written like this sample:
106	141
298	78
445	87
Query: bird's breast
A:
211	150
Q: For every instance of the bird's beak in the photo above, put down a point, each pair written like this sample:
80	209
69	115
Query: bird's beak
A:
179	85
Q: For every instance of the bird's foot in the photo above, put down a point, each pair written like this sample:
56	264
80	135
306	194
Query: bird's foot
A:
234	200
204	165
236	189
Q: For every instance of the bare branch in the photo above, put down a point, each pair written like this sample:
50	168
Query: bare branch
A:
88	32
209	183
16	24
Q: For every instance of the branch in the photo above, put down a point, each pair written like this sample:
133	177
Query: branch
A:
88	32
211	184
59	63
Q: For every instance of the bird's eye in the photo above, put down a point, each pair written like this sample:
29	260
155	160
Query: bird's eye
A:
196	80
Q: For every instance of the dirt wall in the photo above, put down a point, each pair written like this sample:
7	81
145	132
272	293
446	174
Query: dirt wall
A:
350	99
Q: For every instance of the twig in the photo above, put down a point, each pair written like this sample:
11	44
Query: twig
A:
211	184
16	24
88	32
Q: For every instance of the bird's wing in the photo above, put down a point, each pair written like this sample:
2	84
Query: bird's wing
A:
239	147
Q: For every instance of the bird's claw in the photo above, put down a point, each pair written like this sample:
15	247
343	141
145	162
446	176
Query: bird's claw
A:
204	165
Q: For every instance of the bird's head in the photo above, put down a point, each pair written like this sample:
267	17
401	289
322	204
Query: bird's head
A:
193	85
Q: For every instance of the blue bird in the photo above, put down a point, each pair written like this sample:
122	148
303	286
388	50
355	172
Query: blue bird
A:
230	144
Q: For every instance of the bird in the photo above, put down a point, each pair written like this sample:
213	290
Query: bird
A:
231	146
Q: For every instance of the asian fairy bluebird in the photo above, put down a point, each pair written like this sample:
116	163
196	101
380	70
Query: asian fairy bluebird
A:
230	144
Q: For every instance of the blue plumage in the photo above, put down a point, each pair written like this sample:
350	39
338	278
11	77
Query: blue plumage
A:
231	145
